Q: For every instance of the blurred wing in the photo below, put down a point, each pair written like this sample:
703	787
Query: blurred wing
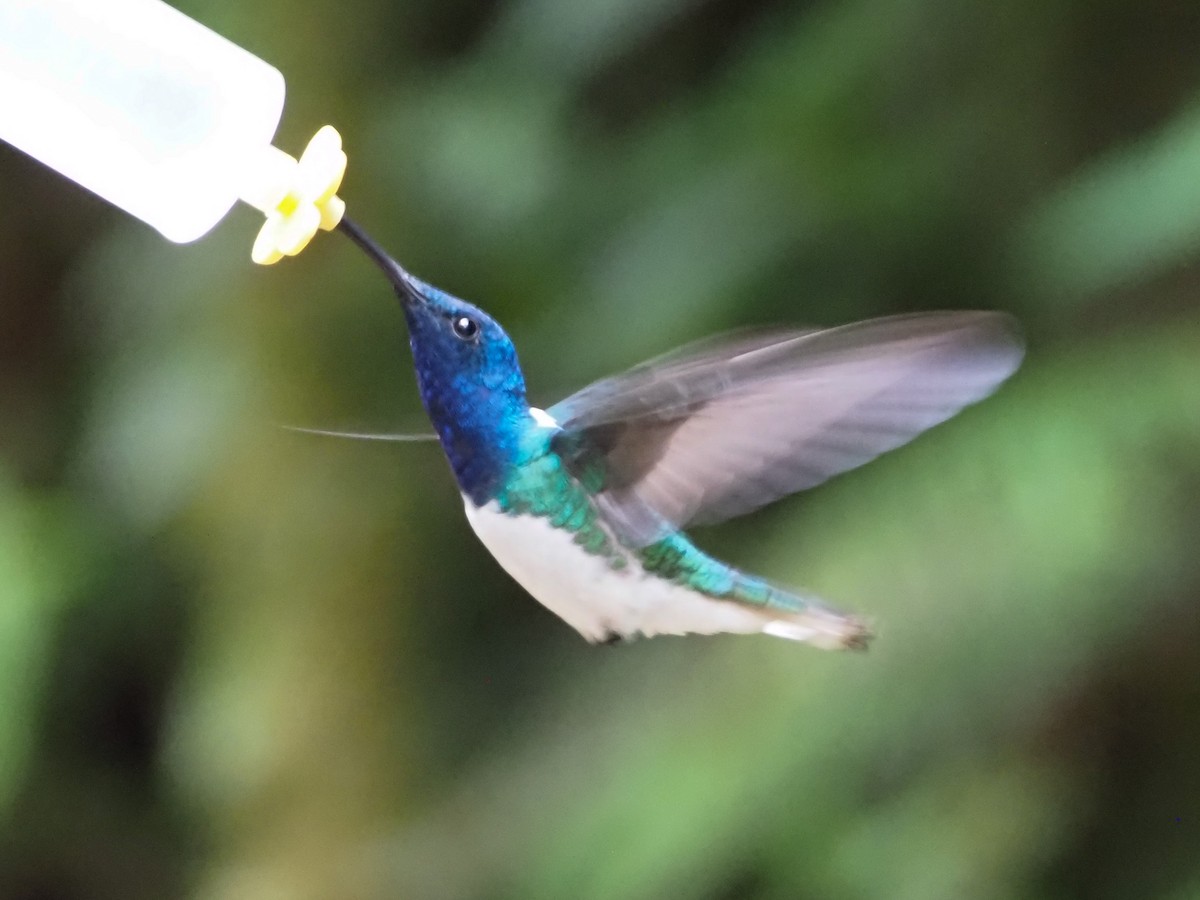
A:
729	428
363	435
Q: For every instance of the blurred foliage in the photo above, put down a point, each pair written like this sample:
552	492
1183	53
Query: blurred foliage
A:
237	662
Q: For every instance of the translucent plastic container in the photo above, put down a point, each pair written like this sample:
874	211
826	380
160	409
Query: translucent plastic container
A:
138	103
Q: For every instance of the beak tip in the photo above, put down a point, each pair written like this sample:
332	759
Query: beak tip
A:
405	285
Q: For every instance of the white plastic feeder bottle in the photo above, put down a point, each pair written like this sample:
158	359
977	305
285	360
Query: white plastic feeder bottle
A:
161	117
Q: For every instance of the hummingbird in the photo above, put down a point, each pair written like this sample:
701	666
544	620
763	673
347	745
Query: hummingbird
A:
584	502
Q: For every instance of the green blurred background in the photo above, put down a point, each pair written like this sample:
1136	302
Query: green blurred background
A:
240	663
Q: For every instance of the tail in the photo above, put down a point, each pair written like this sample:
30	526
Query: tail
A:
827	629
806	619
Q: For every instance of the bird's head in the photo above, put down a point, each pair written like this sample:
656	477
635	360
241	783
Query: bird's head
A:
468	375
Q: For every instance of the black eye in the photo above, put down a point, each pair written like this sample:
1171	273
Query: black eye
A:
465	327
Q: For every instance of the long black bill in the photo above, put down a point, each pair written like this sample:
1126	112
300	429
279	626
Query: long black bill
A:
406	290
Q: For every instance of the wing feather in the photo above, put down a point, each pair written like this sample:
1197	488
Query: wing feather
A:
724	429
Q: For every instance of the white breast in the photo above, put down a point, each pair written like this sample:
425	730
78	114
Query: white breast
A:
597	600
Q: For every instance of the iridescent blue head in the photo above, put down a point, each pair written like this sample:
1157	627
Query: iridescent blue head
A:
468	375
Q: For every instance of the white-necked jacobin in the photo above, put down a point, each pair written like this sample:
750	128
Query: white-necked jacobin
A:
583	503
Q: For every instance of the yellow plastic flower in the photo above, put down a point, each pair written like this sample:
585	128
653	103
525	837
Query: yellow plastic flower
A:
300	197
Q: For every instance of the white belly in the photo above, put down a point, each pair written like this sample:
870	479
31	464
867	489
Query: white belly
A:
595	599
